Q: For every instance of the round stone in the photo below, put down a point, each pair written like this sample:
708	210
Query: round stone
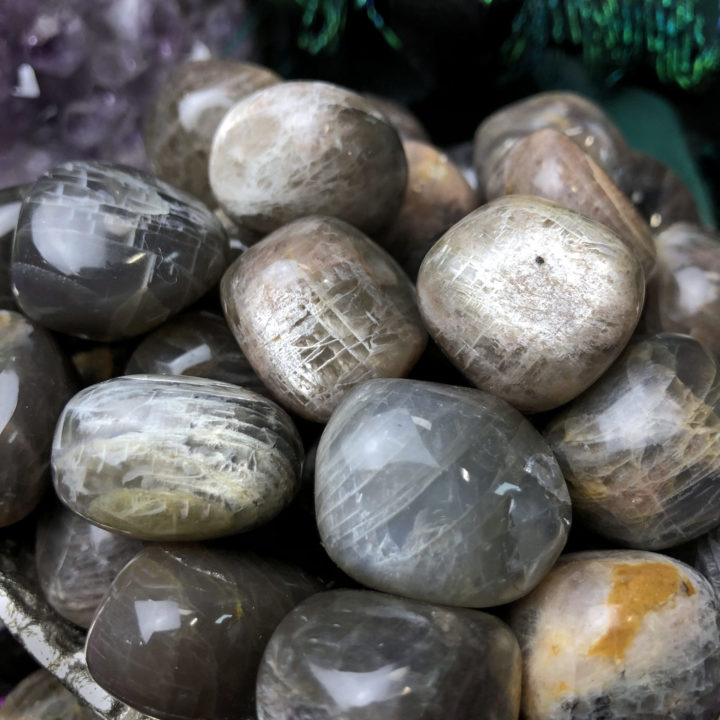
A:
304	148
640	450
182	631
618	635
182	118
360	655
438	493
531	301
171	458
35	383
317	307
107	252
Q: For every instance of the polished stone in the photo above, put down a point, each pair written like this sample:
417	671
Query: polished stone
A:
640	450
437	196
705	557
77	561
193	625
531	301
175	458
360	655
438	493
550	165
107	252
305	148
183	116
10	199
317	307
684	294
407	125
199	344
619	635
35	383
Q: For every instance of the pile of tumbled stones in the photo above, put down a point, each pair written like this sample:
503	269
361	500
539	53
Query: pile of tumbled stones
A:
572	301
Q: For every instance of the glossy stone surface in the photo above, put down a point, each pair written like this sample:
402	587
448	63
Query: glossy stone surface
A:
317	307
550	165
684	294
531	301
305	148
171	458
40	696
437	196
584	122
407	125
640	450
194	623
182	119
10	199
438	493
35	383
356	655
198	344
619	635
107	252
77	561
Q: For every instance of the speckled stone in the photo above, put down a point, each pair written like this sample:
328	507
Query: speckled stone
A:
317	307
77	561
304	148
106	252
641	449
619	635
684	294
438	493
584	122
182	119
531	301
194	623
407	125
359	655
10	199
40	696
550	165
437	196
171	458
35	383
199	344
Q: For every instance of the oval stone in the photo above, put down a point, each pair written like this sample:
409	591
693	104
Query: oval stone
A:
368	656
531	301
640	450
618	635
171	458
107	252
306	148
35	383
317	307
77	561
181	633
438	493
10	200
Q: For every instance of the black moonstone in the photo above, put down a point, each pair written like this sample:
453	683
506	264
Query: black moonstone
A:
107	252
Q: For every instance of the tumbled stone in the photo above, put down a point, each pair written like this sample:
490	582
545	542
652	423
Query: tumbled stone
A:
317	307
40	696
640	450
359	655
171	458
77	561
35	383
704	555
531	301
182	118
10	199
549	165
407	125
618	635
438	493
437	196
107	252
199	344
305	148
684	294
584	122
194	623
